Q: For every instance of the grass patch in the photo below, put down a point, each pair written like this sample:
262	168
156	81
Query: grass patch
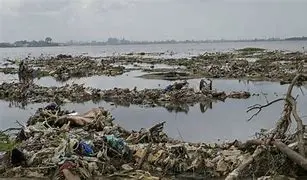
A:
5	143
251	49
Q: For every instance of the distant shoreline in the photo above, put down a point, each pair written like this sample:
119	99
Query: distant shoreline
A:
8	45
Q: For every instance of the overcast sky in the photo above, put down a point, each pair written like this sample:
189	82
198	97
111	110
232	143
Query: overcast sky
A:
65	20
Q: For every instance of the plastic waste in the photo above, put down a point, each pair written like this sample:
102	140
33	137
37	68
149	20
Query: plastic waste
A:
73	114
86	149
52	106
117	143
168	88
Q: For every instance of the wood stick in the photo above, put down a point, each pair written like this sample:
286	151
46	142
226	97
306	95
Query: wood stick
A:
145	156
300	127
294	156
236	173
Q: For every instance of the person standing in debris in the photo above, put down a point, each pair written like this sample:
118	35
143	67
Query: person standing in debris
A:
204	86
25	75
21	71
201	84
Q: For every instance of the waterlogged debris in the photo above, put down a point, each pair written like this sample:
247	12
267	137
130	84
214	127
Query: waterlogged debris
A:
265	65
176	95
173	75
63	67
9	70
111	151
239	95
176	86
250	50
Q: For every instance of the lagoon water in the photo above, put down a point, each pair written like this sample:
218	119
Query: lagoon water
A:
178	50
225	121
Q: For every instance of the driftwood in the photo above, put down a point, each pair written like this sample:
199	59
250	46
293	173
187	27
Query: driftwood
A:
151	135
147	151
294	156
277	134
235	173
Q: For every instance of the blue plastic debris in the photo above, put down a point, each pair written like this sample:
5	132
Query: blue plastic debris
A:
168	88
86	149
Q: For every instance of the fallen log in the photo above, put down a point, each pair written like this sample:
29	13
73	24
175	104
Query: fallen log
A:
236	173
294	156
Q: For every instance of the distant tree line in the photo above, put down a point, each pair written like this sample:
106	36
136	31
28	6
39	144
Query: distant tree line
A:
25	43
116	41
303	38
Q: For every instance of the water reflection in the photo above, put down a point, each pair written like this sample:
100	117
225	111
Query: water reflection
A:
208	121
201	122
18	104
176	108
131	80
126	80
205	106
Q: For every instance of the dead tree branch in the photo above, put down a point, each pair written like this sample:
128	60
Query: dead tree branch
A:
300	127
259	107
10	129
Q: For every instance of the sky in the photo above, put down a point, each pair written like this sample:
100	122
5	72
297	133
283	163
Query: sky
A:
87	20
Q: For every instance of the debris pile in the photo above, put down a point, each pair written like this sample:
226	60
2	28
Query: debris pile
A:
247	63
59	144
180	94
63	67
32	93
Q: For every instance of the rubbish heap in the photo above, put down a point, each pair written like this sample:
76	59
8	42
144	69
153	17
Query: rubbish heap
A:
61	144
33	93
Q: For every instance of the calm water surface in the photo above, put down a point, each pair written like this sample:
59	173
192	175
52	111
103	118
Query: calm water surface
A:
178	50
225	121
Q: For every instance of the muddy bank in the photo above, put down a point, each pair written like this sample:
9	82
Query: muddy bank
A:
170	97
56	142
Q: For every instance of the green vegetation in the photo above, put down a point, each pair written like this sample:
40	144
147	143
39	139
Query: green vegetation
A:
251	49
25	43
5	143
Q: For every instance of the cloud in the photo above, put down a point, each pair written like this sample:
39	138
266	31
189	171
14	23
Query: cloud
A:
150	19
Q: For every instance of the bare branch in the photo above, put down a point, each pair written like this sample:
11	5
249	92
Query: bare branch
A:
17	122
259	107
10	129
